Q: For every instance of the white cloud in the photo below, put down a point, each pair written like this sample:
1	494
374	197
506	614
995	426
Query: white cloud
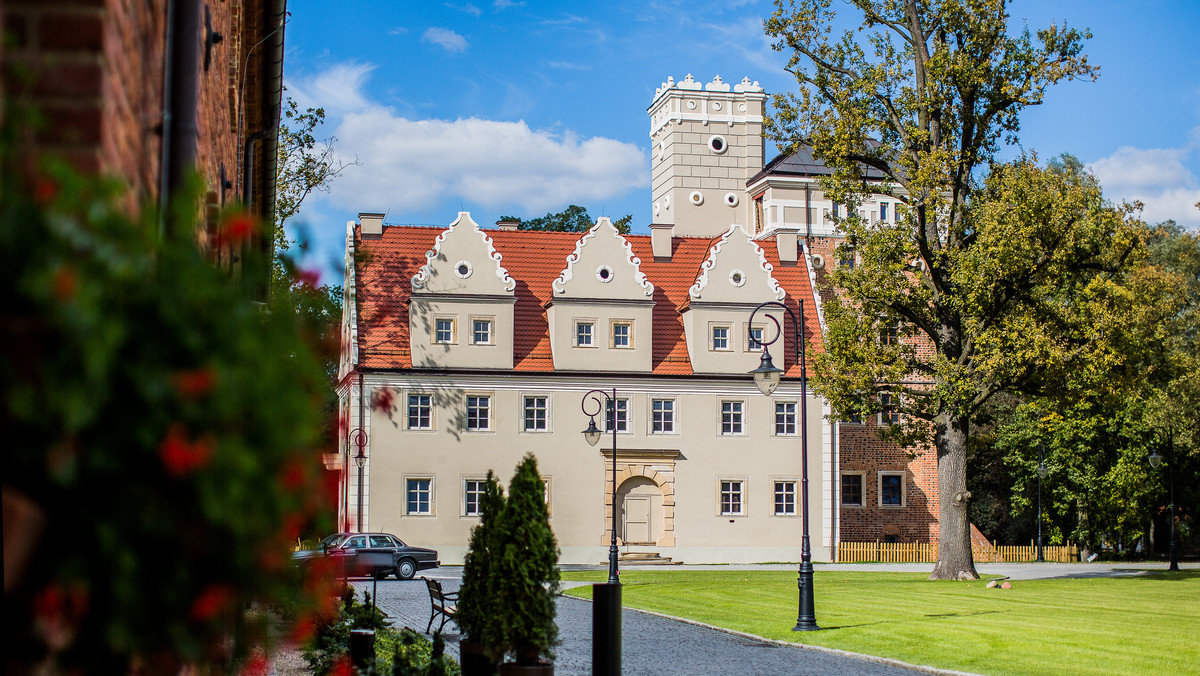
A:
1158	177
410	165
468	8
445	38
505	4
337	89
399	30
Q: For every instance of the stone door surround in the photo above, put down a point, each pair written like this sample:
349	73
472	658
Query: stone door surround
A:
657	465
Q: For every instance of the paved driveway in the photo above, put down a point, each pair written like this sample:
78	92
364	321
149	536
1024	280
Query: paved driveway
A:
651	645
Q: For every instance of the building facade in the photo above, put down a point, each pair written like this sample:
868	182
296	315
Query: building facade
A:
465	348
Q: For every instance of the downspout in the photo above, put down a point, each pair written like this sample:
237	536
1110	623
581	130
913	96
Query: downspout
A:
181	83
362	430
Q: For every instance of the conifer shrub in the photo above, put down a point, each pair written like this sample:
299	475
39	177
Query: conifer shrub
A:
478	604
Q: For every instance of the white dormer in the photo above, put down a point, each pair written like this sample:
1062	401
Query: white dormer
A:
601	311
733	280
461	308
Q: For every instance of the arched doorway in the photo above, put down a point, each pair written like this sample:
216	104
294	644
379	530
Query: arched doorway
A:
640	514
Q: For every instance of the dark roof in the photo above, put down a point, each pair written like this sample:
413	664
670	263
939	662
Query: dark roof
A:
802	163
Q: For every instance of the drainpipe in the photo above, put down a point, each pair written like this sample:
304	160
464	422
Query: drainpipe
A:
181	83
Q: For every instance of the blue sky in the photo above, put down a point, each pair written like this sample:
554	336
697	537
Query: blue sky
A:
507	107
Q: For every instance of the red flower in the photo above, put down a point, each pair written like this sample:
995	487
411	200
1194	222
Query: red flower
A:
257	665
210	602
303	629
308	277
181	457
65	284
45	191
57	611
293	476
194	383
342	668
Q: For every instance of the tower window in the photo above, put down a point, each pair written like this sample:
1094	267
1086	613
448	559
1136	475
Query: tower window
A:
718	144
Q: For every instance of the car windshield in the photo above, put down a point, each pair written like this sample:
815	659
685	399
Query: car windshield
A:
331	540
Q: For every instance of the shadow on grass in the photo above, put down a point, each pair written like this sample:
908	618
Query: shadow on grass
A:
906	620
970	614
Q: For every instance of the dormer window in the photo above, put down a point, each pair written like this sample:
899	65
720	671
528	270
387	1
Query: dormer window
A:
585	333
481	331
754	336
443	330
622	334
720	337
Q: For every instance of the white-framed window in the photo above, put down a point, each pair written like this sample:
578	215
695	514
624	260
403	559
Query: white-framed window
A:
784	491
883	211
732	417
720	337
420	412
785	418
732	498
622	415
754	338
891	489
836	209
622	334
535	413
479	412
547	494
444	330
585	334
418	495
890	415
662	416
473	490
852	489
482	331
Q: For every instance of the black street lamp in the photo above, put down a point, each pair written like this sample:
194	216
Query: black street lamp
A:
606	598
767	377
1155	461
359	438
1041	472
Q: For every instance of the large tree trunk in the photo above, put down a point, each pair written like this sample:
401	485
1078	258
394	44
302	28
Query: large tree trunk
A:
1086	544
955	561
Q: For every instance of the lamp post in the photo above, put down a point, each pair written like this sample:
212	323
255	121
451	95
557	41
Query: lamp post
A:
767	377
359	438
606	598
1041	472
1155	461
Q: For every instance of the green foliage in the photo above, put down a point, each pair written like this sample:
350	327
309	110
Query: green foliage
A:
330	644
414	655
999	268
479	602
1132	624
159	422
572	219
525	570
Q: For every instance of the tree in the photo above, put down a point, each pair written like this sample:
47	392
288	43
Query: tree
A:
986	261
572	219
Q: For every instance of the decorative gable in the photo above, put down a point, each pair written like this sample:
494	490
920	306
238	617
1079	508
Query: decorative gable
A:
602	306
733	280
348	359
736	271
463	260
603	266
461	312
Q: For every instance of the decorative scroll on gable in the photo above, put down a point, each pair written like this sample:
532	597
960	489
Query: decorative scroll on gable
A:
348	359
603	266
736	271
463	260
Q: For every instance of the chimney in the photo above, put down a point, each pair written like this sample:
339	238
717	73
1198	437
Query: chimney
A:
508	224
785	242
660	239
372	224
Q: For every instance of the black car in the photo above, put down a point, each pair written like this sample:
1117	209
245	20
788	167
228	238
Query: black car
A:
370	554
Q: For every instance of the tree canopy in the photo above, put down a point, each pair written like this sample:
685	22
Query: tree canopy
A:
572	219
996	267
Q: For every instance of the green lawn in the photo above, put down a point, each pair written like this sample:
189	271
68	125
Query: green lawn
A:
1132	625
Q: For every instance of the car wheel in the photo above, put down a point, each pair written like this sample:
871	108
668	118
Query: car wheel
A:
406	569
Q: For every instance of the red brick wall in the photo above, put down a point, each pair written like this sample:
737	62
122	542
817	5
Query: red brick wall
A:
95	69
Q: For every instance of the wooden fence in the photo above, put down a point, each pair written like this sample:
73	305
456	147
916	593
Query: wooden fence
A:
916	552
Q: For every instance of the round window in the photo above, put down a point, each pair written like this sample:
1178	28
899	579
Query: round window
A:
604	274
462	269
717	144
696	198
737	278
731	199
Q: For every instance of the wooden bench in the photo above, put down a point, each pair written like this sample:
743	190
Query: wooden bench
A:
440	603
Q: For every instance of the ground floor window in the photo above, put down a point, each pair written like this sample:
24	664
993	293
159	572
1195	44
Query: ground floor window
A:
472	495
891	490
419	494
785	498
852	490
731	497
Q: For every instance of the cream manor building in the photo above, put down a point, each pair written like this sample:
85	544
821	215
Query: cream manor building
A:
465	348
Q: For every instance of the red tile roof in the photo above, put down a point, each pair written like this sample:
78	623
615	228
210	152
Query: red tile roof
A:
387	264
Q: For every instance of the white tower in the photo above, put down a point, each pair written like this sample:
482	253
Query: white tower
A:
706	142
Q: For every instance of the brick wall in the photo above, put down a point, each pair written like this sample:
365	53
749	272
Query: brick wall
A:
94	69
861	449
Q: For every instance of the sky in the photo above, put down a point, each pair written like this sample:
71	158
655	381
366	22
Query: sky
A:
522	107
